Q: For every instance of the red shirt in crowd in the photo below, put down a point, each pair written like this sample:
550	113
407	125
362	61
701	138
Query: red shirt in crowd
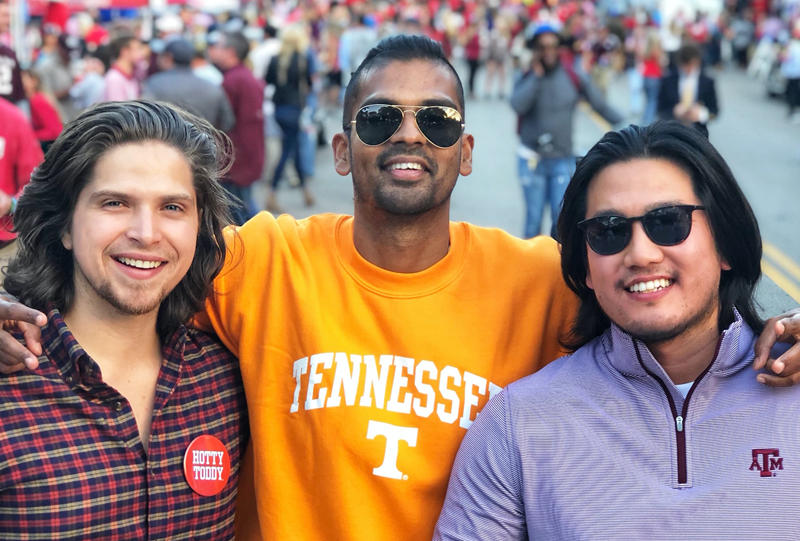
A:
20	153
45	118
246	94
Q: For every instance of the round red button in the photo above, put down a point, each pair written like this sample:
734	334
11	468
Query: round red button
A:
207	465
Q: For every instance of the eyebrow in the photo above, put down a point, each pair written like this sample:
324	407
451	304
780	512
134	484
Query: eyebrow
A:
648	208
169	198
442	102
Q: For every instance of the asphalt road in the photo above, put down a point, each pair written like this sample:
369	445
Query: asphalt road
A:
752	133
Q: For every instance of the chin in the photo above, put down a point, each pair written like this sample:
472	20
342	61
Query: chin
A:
136	304
405	204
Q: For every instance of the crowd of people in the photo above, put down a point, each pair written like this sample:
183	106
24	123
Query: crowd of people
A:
166	376
290	82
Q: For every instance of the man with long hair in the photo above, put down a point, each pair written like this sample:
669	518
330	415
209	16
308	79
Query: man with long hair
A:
120	236
655	426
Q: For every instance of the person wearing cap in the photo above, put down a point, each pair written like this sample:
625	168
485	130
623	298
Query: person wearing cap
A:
180	86
545	98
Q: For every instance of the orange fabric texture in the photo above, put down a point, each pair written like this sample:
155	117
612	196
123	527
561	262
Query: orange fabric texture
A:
361	382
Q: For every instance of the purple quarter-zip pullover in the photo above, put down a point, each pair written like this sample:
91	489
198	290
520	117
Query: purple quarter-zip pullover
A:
602	445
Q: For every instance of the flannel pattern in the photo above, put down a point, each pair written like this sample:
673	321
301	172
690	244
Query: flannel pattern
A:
71	462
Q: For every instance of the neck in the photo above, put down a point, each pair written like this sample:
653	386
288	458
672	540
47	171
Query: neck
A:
124	66
105	333
398	243
686	357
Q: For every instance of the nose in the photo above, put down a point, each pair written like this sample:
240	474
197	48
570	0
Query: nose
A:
144	226
641	251
409	132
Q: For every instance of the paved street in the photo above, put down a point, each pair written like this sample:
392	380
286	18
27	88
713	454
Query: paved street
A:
752	134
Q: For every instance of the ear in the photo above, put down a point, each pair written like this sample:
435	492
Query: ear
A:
341	154
467	144
589	283
66	240
724	265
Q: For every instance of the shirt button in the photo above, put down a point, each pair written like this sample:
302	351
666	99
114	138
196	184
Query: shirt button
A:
69	379
117	406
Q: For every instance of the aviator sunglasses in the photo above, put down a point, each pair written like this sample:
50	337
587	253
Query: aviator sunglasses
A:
376	124
665	226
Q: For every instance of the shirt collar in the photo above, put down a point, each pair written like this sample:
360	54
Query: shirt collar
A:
77	367
630	356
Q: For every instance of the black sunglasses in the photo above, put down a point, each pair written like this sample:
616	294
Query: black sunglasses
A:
665	226
375	124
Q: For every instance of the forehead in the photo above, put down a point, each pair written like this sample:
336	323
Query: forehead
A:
148	169
414	82
547	39
636	186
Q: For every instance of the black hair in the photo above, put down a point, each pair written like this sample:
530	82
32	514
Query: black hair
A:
238	42
270	31
687	53
397	49
119	44
732	222
103	54
43	269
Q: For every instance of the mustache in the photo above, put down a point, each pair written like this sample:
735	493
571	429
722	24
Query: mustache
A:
395	151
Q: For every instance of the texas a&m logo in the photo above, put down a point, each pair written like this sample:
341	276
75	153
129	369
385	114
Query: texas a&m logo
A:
766	461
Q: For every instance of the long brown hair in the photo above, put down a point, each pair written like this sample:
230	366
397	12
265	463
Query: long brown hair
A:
42	271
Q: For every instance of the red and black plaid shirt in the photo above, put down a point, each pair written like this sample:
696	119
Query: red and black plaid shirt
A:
71	462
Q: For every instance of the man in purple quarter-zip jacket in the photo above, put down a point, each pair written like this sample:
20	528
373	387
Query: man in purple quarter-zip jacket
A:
654	428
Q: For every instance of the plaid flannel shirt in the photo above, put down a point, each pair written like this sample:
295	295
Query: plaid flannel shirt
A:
72	465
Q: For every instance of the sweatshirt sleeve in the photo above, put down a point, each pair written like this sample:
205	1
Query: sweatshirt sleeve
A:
524	95
483	497
222	314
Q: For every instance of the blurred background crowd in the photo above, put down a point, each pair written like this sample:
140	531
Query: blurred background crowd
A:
271	73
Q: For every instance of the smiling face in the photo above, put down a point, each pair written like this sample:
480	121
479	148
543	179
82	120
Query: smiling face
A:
134	228
406	174
653	292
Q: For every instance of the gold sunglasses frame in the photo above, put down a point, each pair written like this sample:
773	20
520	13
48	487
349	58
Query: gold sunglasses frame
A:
410	109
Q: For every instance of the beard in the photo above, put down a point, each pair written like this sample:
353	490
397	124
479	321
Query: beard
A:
654	335
138	304
403	198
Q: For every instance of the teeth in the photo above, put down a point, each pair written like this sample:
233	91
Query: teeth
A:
650	286
139	263
406	166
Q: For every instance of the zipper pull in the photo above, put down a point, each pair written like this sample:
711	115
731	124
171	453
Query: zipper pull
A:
679	423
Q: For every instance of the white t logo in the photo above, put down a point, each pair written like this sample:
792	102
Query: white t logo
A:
393	435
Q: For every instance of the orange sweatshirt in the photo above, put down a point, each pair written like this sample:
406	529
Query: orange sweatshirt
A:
361	382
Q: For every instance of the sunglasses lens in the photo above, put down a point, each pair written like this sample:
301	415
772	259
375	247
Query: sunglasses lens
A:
441	125
668	226
608	235
375	124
